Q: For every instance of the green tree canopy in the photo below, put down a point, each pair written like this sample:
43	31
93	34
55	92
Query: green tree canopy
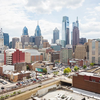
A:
55	73
44	70
67	70
91	64
76	68
27	67
84	66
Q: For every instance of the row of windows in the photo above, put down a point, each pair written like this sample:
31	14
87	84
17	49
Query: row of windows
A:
93	48
93	80
93	60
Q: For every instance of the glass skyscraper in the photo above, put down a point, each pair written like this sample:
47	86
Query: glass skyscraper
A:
6	39
55	35
25	31
37	31
75	34
65	29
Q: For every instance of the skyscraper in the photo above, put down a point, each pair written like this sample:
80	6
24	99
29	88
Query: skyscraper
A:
82	40
25	31
32	39
75	36
1	41
55	35
25	37
38	36
6	39
14	40
65	29
37	31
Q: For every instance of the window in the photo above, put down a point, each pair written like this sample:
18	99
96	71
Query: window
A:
93	80
93	47
98	48
93	59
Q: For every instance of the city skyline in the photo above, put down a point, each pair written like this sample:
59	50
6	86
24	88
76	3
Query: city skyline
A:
17	14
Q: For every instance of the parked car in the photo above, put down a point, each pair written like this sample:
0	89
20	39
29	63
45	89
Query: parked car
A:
1	81
4	83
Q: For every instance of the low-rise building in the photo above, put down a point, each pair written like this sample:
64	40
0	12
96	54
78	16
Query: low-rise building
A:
87	81
78	62
53	56
16	76
6	68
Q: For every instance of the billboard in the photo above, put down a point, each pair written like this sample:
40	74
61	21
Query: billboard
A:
39	69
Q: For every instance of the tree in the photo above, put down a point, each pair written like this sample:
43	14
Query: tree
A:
84	66
55	73
44	70
76	68
91	64
67	70
27	67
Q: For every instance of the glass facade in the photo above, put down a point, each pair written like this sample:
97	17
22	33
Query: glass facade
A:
93	47
32	39
55	35
25	31
65	25
6	39
37	31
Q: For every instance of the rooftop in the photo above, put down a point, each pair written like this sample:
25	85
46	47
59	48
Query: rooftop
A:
31	51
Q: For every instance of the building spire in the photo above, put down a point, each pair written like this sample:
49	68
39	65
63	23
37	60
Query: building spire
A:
38	22
77	18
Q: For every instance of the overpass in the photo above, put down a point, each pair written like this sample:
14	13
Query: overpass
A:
27	93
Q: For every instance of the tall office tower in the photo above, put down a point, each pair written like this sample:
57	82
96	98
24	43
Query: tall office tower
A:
1	41
14	40
65	29
18	45
6	39
38	36
37	31
38	41
55	35
71	38
10	44
82	40
75	36
25	37
32	39
25	31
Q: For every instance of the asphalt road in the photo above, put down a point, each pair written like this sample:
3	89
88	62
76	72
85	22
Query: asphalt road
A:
36	85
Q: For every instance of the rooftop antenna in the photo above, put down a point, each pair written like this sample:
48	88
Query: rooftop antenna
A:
77	18
38	22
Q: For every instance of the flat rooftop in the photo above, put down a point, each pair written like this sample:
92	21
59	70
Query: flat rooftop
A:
89	74
53	95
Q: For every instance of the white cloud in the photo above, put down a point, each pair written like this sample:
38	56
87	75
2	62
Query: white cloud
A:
91	29
47	6
13	18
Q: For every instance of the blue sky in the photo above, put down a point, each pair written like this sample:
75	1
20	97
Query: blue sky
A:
14	15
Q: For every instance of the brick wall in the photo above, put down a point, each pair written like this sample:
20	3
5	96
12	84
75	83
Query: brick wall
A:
85	83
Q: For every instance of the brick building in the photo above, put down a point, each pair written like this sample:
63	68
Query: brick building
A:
78	62
87	81
13	56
